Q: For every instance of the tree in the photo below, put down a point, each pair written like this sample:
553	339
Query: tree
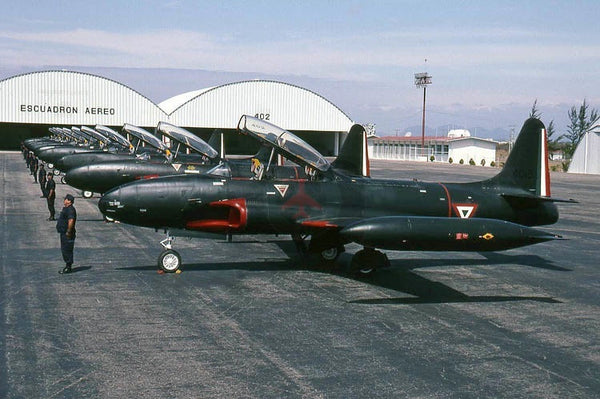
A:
550	130
582	121
535	113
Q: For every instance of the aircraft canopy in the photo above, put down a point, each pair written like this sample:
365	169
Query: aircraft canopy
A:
114	136
187	138
145	136
95	134
286	143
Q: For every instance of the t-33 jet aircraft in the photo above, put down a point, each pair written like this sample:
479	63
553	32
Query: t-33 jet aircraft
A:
338	204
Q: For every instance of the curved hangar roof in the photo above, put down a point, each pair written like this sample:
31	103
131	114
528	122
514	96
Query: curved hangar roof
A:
285	105
66	97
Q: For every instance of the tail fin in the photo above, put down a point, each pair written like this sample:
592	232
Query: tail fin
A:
527	164
217	142
354	156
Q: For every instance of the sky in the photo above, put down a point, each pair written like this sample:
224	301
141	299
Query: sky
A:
490	60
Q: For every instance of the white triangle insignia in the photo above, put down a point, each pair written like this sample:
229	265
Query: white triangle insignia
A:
281	188
465	211
176	166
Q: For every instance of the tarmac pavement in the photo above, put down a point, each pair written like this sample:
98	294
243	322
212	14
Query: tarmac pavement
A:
251	319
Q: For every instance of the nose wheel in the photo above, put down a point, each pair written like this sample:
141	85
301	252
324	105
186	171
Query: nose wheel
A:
169	261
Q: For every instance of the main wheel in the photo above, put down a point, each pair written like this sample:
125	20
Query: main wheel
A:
366	261
56	172
331	254
87	194
62	180
169	261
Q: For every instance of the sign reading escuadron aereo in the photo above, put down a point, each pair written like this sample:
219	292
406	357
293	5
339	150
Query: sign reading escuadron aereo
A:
63	109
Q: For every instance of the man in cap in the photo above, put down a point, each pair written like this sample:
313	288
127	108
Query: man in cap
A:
50	194
42	179
66	228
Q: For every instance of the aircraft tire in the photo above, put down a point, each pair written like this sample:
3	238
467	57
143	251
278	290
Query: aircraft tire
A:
366	261
87	194
331	254
169	261
56	172
50	166
62	180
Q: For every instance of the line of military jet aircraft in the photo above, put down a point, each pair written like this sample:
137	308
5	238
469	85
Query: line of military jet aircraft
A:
174	181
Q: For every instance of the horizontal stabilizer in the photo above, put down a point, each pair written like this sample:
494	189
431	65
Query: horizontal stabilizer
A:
537	198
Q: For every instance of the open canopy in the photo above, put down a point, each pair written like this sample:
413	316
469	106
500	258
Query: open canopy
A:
98	136
114	136
75	132
145	136
188	139
285	143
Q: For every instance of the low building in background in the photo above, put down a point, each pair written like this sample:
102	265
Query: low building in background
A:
458	147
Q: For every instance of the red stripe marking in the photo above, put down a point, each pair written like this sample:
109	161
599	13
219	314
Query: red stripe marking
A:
546	162
448	199
318	223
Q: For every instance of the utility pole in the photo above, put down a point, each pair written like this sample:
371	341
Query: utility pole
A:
422	80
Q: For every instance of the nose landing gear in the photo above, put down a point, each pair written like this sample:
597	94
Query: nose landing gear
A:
169	261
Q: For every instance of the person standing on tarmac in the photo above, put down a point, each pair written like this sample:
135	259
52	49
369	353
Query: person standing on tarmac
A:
34	168
42	179
66	228
28	159
50	195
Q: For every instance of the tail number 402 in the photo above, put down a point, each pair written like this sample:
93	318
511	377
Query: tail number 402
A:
264	117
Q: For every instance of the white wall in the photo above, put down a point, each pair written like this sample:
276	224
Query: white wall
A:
586	158
477	150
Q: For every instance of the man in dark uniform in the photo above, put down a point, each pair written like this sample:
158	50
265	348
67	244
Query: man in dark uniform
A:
28	159
34	168
42	179
66	228
50	195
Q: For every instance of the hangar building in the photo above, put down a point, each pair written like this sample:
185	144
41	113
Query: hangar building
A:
33	102
586	158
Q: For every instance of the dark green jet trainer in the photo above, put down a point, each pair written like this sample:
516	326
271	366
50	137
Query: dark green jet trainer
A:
338	203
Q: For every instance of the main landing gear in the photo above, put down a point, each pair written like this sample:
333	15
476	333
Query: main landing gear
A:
326	255
169	261
366	261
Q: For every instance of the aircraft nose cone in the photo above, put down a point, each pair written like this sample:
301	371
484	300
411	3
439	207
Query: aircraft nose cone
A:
109	204
60	164
75	177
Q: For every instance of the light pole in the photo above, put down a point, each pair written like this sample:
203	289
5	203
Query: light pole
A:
422	80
